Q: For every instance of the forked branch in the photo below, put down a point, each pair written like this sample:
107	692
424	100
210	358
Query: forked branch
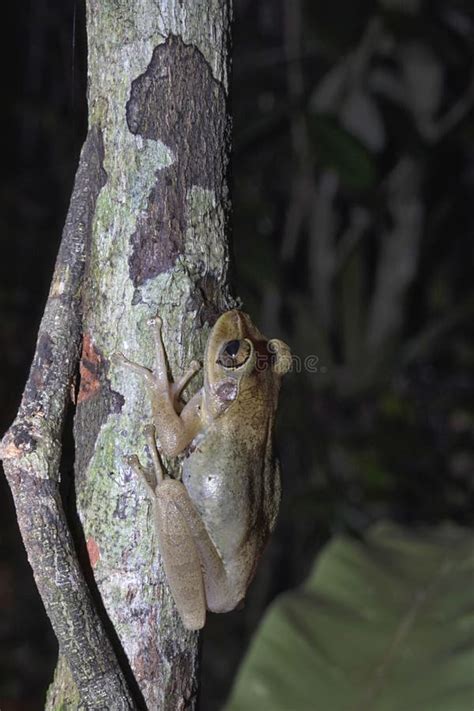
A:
31	452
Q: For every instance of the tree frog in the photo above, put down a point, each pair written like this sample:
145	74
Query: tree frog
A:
213	525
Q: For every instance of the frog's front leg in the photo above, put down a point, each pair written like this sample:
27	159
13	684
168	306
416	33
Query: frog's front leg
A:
193	567
176	424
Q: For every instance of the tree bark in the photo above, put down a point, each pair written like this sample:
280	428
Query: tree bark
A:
156	214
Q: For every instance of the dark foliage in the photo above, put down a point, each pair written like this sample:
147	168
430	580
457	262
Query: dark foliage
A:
353	177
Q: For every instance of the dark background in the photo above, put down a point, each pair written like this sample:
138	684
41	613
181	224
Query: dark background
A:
353	176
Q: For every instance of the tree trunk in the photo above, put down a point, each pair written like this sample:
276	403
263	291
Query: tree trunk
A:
156	243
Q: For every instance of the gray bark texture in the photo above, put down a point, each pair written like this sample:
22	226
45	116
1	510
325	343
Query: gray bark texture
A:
146	234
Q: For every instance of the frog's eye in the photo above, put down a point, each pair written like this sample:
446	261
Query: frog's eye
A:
233	354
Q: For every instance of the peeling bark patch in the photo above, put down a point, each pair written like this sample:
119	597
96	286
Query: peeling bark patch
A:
158	239
89	369
178	102
93	551
95	402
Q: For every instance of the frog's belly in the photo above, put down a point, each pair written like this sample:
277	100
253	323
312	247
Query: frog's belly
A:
230	497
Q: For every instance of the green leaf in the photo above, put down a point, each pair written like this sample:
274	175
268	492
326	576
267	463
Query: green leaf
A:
385	625
338	149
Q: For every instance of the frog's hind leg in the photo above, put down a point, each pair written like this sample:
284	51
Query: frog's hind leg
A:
218	596
194	569
179	552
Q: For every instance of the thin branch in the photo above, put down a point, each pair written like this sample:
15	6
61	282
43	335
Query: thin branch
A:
31	451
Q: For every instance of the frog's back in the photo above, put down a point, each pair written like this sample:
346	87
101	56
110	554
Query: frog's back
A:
233	479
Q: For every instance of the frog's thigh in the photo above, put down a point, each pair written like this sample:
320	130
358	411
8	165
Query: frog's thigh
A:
217	597
180	555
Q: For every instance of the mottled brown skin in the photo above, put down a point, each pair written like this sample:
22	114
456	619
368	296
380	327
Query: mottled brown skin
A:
213	526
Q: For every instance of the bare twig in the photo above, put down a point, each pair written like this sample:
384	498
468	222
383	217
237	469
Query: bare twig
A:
31	451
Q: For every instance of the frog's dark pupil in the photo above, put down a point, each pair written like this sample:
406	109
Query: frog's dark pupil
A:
232	348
